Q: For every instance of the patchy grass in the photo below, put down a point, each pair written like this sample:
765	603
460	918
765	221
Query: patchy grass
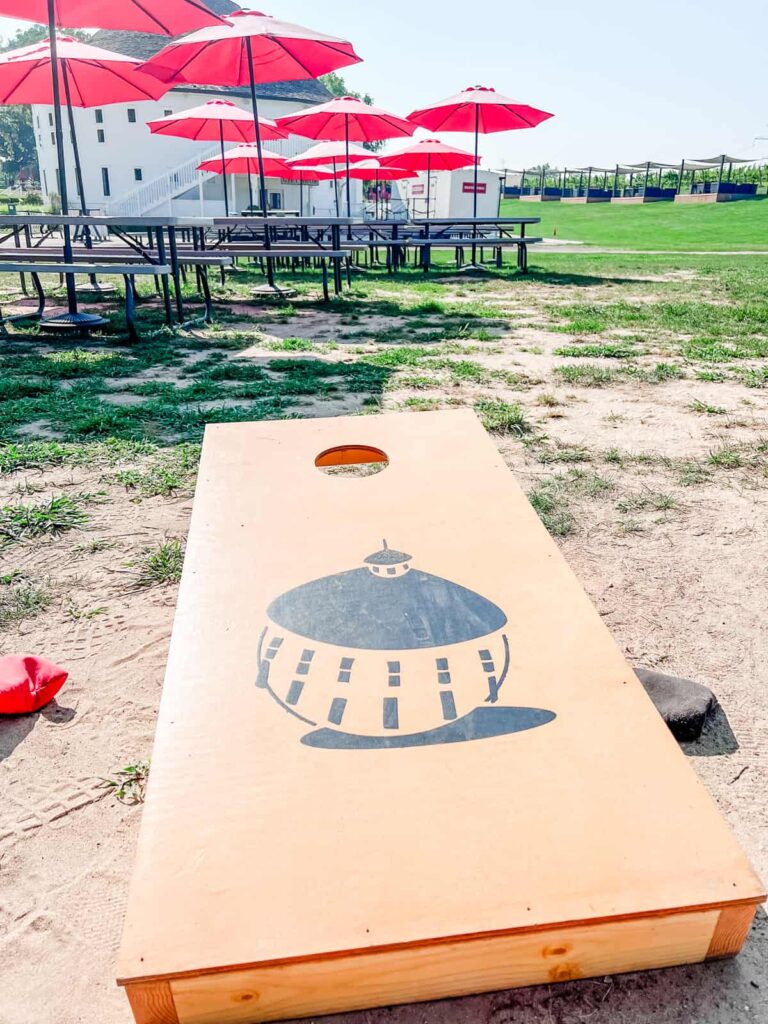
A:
47	518
502	418
162	565
20	599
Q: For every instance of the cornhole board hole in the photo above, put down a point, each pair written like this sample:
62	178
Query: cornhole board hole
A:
399	756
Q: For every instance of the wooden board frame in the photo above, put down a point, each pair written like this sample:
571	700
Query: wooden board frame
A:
207	940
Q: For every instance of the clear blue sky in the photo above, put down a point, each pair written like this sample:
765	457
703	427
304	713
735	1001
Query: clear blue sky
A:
658	80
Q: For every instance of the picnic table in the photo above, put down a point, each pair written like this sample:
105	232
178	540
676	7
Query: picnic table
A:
459	232
307	230
161	246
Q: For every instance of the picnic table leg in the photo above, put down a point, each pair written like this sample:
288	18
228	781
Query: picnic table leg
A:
522	255
164	280
130	322
175	270
17	243
336	245
326	295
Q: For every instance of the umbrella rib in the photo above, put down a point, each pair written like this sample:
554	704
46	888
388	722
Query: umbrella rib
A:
293	57
128	81
152	17
17	85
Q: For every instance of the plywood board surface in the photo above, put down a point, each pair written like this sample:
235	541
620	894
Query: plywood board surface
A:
441	741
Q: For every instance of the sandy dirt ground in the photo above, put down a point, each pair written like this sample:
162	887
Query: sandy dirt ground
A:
683	591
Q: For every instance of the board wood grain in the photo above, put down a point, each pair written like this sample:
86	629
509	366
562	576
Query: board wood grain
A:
392	718
451	969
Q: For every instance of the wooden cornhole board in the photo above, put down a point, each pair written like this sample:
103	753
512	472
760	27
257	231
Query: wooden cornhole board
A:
428	774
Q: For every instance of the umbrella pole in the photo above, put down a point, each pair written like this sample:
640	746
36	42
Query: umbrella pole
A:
301	195
336	188
262	178
71	296
223	168
71	318
475	187
349	190
78	167
429	182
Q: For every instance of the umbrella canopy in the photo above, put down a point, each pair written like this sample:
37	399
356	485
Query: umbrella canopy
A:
298	173
247	159
478	109
429	155
347	118
88	75
327	152
217	120
164	17
372	169
212	120
219	55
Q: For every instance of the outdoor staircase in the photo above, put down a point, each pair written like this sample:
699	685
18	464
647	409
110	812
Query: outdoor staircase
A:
156	196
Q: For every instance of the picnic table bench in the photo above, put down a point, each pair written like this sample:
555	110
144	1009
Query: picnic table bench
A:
126	270
459	233
201	260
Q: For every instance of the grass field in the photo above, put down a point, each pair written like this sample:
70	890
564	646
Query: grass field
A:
669	226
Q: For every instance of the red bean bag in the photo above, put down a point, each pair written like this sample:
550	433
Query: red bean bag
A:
28	683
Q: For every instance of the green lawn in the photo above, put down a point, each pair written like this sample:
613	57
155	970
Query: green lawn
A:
715	226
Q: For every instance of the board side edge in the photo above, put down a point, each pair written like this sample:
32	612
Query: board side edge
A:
731	931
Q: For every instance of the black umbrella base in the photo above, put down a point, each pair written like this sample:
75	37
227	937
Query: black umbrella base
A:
72	322
96	291
273	291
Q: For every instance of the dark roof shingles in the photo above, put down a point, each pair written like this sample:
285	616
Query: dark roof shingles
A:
143	45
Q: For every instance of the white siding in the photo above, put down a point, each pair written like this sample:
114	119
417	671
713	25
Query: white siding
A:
128	146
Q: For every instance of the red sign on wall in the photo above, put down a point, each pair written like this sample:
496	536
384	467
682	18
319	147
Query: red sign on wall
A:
417	190
469	186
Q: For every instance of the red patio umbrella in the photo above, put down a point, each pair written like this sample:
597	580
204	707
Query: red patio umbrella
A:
88	75
166	17
163	17
250	47
330	153
347	118
479	110
428	155
247	159
218	120
296	172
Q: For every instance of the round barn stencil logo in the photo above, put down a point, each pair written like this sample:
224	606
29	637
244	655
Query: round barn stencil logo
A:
386	655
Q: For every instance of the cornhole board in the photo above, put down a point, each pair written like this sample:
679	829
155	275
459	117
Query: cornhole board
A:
399	756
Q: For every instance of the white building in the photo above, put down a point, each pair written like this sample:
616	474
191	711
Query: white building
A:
452	193
127	170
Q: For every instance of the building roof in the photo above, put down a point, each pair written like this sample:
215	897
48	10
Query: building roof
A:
143	45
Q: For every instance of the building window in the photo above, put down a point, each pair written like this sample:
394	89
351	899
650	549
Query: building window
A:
53	138
45	182
99	115
100	134
167	113
137	174
131	115
38	120
105	181
50	119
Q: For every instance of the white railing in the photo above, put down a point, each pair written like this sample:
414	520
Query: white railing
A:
160	191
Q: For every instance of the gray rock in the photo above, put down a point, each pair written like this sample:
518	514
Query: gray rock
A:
683	704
